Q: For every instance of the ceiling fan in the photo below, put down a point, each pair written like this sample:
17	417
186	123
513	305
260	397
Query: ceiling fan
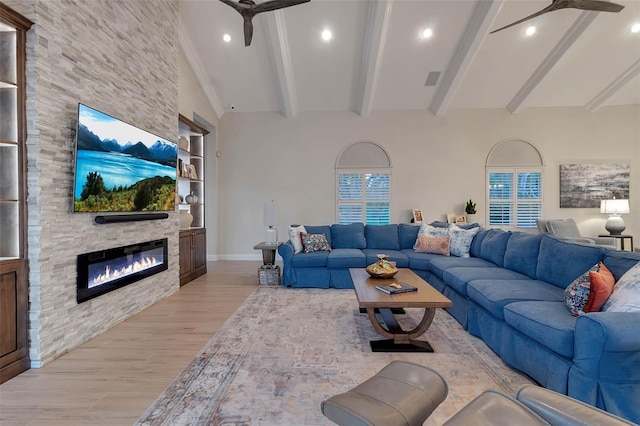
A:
248	9
595	5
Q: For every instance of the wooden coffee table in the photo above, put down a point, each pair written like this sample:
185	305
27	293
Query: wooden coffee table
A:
369	298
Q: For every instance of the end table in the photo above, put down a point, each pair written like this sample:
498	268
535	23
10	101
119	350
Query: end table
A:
268	252
621	238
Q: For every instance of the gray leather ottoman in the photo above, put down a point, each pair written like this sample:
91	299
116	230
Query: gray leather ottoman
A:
493	408
402	393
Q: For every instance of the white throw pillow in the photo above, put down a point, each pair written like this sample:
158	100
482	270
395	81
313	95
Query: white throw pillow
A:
294	237
626	293
461	240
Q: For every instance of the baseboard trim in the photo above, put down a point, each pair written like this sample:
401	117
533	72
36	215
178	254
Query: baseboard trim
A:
216	257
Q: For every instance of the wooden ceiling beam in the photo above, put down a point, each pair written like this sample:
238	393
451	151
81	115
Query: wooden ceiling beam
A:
595	103
281	57
193	59
577	29
474	34
375	38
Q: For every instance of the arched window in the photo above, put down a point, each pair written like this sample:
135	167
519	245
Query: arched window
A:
514	185
363	185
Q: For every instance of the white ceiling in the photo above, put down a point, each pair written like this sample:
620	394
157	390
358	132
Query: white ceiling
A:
377	61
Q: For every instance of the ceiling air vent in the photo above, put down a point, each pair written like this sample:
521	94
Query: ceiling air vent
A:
432	78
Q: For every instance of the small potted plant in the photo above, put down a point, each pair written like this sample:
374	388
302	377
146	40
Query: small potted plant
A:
470	210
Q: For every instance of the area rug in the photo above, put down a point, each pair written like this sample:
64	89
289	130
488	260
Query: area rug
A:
286	350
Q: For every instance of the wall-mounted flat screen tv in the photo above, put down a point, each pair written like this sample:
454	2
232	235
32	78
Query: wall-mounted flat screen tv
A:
120	167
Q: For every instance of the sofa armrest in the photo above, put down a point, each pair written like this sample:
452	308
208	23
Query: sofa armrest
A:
606	356
286	251
288	274
560	410
605	241
580	240
599	333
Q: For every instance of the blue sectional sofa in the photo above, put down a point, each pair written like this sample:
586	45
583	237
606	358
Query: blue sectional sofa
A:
509	292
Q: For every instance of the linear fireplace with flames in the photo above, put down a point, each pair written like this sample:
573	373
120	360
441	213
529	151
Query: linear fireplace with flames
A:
103	271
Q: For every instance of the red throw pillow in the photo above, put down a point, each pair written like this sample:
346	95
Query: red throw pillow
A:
602	283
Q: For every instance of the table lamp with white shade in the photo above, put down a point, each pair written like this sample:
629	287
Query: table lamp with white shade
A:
614	208
270	219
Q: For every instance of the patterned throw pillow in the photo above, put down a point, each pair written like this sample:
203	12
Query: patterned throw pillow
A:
576	294
295	238
626	293
461	240
602	283
430	231
315	242
435	245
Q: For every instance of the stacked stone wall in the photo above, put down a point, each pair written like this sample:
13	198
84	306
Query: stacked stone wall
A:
119	57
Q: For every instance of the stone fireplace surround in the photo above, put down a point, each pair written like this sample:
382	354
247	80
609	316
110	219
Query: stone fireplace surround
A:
120	57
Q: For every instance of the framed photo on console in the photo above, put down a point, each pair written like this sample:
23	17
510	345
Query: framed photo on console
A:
451	218
461	219
417	215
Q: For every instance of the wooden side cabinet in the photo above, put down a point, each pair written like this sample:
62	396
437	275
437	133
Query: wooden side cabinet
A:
193	254
14	291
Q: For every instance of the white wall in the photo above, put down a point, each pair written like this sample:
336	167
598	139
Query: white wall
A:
438	162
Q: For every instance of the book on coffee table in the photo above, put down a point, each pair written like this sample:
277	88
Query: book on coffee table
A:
397	287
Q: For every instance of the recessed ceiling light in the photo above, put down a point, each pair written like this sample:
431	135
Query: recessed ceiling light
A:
635	28
426	33
326	35
531	30
226	38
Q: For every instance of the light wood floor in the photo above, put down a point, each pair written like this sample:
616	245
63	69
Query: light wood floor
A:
113	378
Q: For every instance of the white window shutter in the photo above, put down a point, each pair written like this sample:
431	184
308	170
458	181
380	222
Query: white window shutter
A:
514	197
364	197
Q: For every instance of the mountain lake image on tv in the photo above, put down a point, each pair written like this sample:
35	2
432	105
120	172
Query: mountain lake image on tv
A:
121	168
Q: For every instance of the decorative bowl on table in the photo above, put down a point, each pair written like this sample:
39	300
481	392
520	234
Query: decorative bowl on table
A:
382	268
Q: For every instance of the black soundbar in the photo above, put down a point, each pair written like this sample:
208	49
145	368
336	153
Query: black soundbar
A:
116	218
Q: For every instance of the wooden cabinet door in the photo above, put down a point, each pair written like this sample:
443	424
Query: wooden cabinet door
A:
14	305
200	247
186	255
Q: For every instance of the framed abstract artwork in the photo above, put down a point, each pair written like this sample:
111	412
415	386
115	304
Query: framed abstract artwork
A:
584	185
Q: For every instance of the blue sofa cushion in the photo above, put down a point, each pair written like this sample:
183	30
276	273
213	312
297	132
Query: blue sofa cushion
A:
494	245
320	229
348	236
402	261
346	258
419	261
408	235
476	244
619	262
382	237
561	261
493	295
458	277
306	260
522	253
548	323
439	264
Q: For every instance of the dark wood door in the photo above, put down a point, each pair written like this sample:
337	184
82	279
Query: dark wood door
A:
200	247
186	256
14	307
